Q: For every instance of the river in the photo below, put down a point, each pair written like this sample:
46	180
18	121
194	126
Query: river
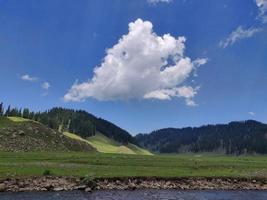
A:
138	195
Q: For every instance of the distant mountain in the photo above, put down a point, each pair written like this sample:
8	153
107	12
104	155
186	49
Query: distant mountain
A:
234	138
19	134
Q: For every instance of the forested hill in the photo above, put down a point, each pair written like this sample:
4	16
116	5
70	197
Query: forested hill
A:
82	123
75	121
233	138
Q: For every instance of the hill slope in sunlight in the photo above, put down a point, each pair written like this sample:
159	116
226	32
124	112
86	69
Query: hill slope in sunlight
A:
19	134
104	144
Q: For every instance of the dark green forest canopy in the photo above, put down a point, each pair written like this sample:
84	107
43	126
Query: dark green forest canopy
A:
234	138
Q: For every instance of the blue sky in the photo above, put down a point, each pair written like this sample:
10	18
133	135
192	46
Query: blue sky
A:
49	50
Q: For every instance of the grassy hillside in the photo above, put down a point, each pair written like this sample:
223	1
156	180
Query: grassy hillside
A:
104	144
80	122
19	134
121	165
138	150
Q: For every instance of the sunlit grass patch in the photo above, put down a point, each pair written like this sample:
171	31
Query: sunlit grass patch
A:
18	119
104	144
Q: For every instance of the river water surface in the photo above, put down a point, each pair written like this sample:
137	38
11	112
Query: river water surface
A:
138	195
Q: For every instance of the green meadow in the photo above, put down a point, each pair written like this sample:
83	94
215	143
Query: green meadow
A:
104	144
116	160
123	165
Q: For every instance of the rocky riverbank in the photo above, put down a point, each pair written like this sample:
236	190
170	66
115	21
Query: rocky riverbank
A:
49	183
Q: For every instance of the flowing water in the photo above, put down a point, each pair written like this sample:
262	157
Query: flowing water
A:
138	195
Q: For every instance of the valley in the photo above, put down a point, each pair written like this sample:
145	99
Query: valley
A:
44	148
101	165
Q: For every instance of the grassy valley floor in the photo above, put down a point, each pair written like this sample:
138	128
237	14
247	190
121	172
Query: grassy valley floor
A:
66	171
122	165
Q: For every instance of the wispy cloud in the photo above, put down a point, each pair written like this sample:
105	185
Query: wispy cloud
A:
27	77
46	85
158	1
251	113
237	35
262	5
44	94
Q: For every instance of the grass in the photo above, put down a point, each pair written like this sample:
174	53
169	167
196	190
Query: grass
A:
18	119
138	150
121	165
5	122
104	144
74	136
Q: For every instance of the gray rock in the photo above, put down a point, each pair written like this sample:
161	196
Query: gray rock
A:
80	187
58	189
21	133
2	187
88	189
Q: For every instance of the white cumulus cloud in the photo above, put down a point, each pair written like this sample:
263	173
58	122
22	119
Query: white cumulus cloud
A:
165	94
262	5
141	65
237	35
27	77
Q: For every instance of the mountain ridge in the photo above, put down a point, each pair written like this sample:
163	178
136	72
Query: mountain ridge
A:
236	137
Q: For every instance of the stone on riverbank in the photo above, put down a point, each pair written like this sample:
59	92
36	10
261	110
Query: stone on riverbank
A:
50	183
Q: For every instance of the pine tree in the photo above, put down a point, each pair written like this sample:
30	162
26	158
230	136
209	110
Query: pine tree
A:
20	113
12	112
8	111
1	109
37	116
31	115
26	113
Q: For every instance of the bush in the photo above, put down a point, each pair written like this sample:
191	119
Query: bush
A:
46	172
89	180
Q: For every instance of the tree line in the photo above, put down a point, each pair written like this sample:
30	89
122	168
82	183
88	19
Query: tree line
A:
244	137
15	112
79	122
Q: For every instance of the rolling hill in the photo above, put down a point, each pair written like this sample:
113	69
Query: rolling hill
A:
82	123
19	134
53	130
243	137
